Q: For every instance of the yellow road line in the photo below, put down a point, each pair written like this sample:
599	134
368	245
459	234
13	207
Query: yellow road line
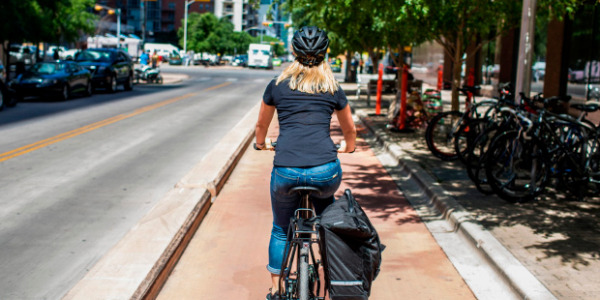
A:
69	134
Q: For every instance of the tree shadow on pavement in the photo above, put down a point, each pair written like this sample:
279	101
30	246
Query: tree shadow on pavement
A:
554	225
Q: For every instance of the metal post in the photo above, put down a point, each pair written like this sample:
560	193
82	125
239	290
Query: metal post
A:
588	85
187	3
523	83
118	13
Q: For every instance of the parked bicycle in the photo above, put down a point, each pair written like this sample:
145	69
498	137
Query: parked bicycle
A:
444	128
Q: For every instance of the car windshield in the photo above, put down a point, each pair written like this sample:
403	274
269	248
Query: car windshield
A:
46	68
266	52
92	55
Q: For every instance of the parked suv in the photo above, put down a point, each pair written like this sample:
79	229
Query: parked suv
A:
109	67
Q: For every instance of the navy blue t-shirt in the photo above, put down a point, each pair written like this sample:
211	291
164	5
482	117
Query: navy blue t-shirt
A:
304	121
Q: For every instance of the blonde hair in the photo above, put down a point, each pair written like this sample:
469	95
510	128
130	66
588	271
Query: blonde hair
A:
317	79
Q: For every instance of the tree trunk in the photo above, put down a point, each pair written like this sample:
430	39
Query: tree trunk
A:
347	78
456	71
374	60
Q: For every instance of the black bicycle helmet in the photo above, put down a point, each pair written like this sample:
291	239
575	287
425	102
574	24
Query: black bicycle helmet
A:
310	45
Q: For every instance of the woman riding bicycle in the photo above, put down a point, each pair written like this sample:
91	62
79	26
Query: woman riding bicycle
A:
305	96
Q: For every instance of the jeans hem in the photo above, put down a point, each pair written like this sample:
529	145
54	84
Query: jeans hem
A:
273	270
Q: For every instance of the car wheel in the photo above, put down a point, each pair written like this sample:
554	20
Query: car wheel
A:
89	89
112	84
129	83
66	92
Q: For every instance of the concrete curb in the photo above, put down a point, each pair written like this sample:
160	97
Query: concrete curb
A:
140	263
505	264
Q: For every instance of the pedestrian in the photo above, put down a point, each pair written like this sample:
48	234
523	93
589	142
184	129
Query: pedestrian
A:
56	56
144	58
361	64
155	59
305	95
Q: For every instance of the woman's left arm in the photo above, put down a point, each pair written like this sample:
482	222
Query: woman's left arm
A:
262	125
348	129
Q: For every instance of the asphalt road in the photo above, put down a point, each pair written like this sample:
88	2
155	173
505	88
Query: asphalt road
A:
77	175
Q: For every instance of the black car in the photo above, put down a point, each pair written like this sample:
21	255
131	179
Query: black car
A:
109	67
56	78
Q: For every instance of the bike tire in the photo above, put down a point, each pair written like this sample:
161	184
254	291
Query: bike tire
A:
474	160
440	134
517	169
303	291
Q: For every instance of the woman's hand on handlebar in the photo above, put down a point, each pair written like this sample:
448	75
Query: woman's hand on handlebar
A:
342	148
267	145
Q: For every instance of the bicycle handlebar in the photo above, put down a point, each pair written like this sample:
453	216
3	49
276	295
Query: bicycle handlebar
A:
271	145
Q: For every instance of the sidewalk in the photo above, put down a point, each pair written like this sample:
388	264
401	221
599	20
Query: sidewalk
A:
227	256
558	241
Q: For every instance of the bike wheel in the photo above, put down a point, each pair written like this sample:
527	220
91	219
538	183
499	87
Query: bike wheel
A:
517	168
474	160
303	291
440	134
466	135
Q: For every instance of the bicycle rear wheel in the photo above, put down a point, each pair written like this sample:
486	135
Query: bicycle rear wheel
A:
303	284
517	168
441	132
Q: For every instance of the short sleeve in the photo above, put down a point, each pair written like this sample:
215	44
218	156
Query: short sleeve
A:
341	100
268	95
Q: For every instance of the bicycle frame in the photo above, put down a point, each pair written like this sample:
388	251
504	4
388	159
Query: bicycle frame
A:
301	236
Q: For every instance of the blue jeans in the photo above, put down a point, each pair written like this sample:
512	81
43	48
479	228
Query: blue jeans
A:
326	177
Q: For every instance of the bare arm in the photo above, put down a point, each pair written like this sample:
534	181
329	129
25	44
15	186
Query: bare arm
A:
262	125
347	124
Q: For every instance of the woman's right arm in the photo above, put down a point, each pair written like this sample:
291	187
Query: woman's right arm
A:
348	129
262	125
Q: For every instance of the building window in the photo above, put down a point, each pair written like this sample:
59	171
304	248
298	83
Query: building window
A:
171	5
201	6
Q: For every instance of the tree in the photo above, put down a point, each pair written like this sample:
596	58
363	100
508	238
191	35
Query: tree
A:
207	33
44	21
351	24
461	25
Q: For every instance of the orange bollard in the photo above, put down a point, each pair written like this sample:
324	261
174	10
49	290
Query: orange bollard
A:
403	90
470	83
379	88
440	78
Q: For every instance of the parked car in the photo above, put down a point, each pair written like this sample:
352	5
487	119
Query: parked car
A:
20	53
109	67
240	60
538	70
56	78
51	49
175	60
7	98
576	76
69	54
276	62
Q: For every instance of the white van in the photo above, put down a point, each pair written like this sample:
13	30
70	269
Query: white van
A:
164	50
260	56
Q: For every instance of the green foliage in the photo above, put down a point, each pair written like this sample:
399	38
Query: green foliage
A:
45	20
276	46
207	33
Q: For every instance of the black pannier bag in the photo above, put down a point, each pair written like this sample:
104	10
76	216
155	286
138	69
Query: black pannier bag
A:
350	250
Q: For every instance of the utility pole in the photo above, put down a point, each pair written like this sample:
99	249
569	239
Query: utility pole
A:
524	63
187	3
142	21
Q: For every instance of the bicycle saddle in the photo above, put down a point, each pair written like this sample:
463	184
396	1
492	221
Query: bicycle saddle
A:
300	189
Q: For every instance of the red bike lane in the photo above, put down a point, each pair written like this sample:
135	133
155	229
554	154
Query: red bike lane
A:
227	257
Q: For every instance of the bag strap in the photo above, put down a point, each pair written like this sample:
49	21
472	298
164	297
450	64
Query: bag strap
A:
351	201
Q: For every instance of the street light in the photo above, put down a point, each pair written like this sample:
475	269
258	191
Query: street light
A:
187	3
112	11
